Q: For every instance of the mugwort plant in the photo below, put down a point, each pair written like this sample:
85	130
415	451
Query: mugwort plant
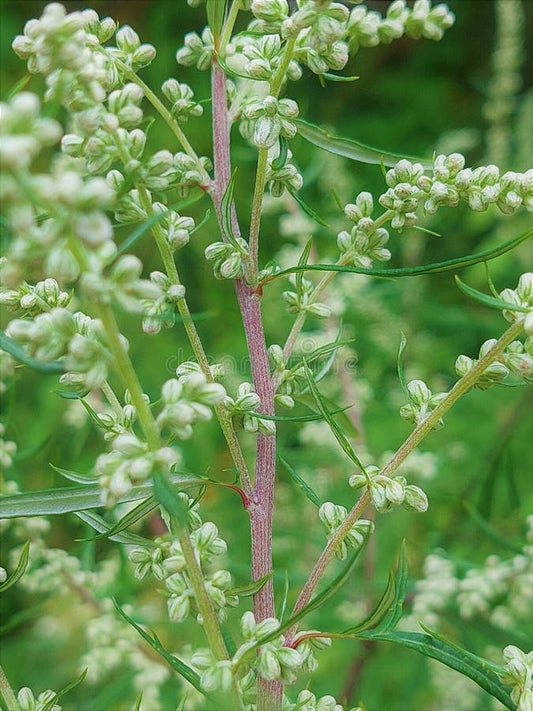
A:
83	192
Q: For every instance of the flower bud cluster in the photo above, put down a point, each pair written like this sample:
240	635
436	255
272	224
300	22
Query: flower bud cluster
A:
119	422
129	49
301	300
367	28
181	98
263	57
282	177
186	400
198	50
518	357
271	119
332	516
165	561
44	702
387	492
24	132
45	295
270	15
291	381
366	241
60	46
521	296
495	373
7	370
450	184
319	29
422	402
307	701
519	675
227	259
240	409
130	462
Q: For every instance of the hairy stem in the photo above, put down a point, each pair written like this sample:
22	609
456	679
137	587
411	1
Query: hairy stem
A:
461	387
7	693
260	508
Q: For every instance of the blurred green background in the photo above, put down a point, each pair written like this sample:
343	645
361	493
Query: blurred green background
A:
412	98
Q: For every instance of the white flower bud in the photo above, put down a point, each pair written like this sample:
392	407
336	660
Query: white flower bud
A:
127	39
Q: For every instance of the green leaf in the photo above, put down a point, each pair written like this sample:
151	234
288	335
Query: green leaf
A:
77	498
69	687
296	418
300	483
382	608
17	574
483	673
284	598
167	496
226	208
216	11
487	300
205	219
97	522
348	148
308	210
10	346
185	671
434	268
138	702
281	159
337	77
340	413
251	588
334	427
302	261
325	350
393	616
401	375
74	476
19	86
136	514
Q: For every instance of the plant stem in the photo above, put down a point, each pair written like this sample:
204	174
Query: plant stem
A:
225	35
260	509
112	398
151	432
461	387
7	693
257	205
198	349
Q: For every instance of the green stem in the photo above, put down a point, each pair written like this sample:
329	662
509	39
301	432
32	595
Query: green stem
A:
165	115
7	693
257	204
279	76
224	419
461	387
225	35
112	398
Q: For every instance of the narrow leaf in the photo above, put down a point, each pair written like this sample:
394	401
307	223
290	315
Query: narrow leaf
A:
284	598
77	498
138	702
308	210
65	690
340	413
215	10
431	645
97	522
297	418
337	77
304	256
401	375
395	612
12	347
19	86
205	219
351	149
487	300
300	483
334	427
376	616
17	574
74	476
251	588
167	496
185	671
280	161
136	514
226	206
325	350
434	268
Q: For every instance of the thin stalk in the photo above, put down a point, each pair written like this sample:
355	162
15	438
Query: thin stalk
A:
461	387
225	35
164	113
190	328
7	693
257	205
279	76
112	398
151	432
